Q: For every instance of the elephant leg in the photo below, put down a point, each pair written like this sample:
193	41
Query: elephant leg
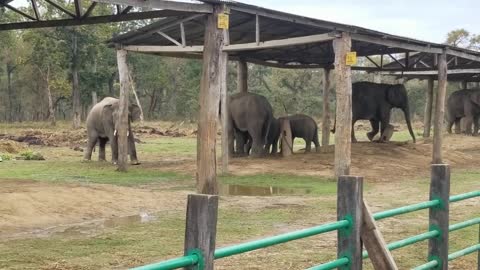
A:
308	145
275	147
257	143
375	128
92	141
114	146
385	122
450	125
468	125
231	139
475	125
101	151
458	126
132	151
240	143
248	145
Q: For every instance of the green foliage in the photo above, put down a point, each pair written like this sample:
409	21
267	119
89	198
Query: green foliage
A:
31	155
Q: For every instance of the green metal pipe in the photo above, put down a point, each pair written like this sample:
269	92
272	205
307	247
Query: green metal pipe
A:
405	209
429	265
278	239
463	252
331	265
408	241
176	263
464	224
464	196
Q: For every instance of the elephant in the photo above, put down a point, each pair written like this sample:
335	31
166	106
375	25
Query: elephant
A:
102	126
464	103
250	116
272	139
374	102
303	126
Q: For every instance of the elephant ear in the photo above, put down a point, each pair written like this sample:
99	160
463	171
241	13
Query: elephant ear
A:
475	97
397	95
108	113
134	112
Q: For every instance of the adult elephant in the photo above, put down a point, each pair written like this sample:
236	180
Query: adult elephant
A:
374	102
464	103
271	145
102	126
250	115
303	126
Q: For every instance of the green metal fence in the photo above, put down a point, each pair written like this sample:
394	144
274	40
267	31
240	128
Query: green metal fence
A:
195	258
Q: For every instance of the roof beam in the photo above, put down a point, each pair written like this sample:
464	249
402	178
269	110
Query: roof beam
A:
60	8
162	4
395	44
164	49
35	9
18	11
280	43
89	10
90	20
432	72
463	55
78	8
170	38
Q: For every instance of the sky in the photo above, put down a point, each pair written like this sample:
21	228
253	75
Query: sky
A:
427	20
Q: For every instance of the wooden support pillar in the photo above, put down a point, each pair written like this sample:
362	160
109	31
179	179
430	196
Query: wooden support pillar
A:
343	80
201	228
94	98
223	65
286	140
123	110
209	100
242	76
427	118
438	216
326	110
464	85
350	207
439	108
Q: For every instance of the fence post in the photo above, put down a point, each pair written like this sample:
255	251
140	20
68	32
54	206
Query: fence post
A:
349	206
478	252
438	216
201	229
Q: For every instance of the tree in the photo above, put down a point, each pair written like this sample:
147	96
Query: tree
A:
458	38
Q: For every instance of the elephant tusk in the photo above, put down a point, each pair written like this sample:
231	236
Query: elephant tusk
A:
128	133
115	133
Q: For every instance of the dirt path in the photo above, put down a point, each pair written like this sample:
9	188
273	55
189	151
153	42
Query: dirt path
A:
28	205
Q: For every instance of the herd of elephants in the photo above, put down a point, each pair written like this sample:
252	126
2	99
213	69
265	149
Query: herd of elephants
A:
253	129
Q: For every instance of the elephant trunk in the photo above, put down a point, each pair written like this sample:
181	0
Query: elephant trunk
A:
406	111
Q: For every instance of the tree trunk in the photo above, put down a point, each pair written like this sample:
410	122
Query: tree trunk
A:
51	109
326	110
111	82
77	109
142	118
123	110
11	97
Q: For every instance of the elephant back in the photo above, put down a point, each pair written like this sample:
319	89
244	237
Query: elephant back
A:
396	95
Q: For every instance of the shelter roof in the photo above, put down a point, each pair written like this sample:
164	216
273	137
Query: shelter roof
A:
273	26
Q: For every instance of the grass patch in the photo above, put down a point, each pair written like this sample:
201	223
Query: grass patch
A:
76	171
181	146
315	185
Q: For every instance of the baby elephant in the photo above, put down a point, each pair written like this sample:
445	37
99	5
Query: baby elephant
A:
303	126
102	126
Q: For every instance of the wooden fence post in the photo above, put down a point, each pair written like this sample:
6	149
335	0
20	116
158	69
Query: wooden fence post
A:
326	110
201	227
438	216
123	110
286	144
343	80
427	118
350	207
439	109
223	66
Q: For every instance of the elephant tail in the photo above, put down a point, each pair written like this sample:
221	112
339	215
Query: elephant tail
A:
315	138
406	111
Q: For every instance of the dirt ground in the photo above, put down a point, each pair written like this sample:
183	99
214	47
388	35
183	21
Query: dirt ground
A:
28	205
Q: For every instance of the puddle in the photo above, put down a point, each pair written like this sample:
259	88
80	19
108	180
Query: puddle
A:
88	228
241	190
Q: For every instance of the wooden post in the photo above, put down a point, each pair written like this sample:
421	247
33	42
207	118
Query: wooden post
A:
242	76
376	246
427	118
440	108
326	110
123	110
223	66
209	100
286	137
201	227
464	85
343	139
349	206
438	216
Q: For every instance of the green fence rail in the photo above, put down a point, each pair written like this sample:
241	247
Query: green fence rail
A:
192	260
279	239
